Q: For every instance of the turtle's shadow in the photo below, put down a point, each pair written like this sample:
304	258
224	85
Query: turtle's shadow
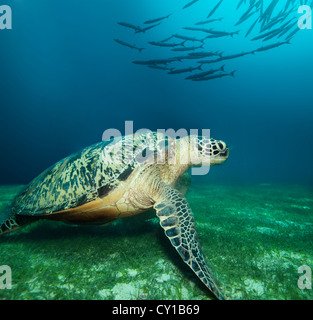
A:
43	230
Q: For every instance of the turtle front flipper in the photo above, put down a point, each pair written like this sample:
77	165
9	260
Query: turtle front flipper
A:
177	220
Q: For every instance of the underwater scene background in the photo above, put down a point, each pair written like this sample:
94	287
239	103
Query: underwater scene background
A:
65	80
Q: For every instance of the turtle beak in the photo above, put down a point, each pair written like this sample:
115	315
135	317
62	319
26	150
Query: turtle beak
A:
225	153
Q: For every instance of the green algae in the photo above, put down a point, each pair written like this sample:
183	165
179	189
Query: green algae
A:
254	237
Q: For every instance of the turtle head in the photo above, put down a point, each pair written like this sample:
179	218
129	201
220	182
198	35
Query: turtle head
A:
205	151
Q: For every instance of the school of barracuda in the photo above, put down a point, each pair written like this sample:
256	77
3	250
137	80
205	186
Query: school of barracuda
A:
273	27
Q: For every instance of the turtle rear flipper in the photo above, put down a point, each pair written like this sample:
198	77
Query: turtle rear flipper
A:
177	220
10	222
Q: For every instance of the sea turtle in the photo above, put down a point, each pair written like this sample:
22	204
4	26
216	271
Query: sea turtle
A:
123	177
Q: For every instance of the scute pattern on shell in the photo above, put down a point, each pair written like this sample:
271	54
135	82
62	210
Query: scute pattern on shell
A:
67	184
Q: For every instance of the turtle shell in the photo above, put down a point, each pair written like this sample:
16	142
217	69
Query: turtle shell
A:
74	181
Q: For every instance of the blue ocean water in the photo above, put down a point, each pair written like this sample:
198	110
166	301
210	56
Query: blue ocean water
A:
64	81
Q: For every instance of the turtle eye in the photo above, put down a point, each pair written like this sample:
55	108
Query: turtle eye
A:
220	145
